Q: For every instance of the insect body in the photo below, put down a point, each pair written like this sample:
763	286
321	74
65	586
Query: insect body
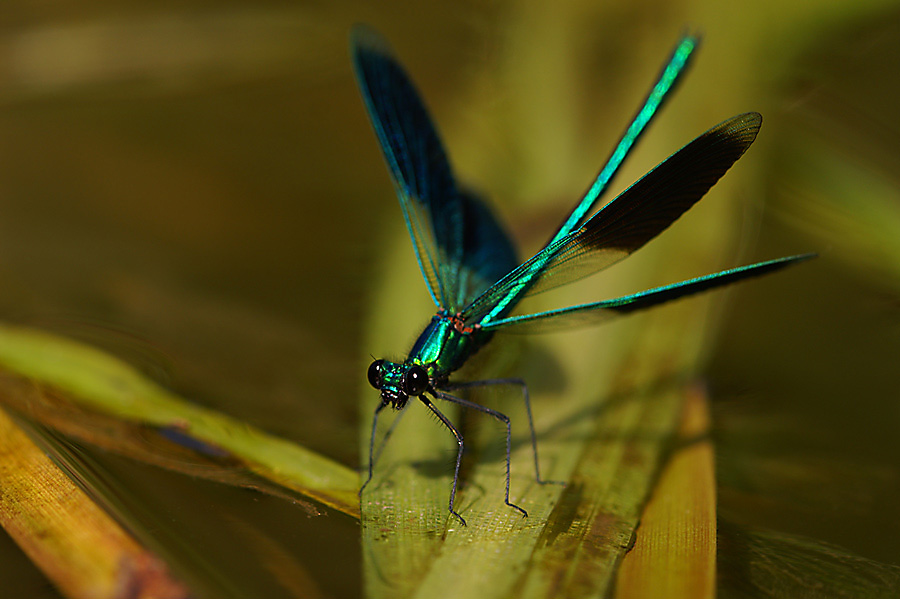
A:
468	261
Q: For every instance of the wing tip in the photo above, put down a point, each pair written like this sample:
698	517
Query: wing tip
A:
796	258
746	124
365	38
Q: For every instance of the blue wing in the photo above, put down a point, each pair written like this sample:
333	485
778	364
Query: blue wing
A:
460	246
626	223
487	253
669	77
597	312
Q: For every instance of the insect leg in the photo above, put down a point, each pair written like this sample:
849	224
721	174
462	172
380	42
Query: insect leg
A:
459	454
521	384
499	416
372	444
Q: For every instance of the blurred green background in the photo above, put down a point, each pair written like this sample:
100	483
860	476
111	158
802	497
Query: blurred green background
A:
195	187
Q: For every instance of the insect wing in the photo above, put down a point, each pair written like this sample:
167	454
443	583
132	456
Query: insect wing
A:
460	246
597	312
666	83
627	222
488	253
416	158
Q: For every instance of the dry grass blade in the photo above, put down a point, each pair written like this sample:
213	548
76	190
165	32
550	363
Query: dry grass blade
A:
83	551
675	552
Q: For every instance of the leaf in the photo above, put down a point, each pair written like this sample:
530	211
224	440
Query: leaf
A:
675	552
101	382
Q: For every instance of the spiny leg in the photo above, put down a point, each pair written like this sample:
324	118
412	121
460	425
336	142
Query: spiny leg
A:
520	383
459	454
372	445
387	435
499	416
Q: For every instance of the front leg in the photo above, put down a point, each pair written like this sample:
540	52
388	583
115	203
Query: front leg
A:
372	446
459	454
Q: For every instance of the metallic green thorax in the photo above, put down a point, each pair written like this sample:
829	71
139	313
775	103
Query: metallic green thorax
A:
443	347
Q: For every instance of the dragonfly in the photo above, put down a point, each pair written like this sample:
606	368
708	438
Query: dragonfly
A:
469	263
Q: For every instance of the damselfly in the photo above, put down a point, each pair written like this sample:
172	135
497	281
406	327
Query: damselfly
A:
468	261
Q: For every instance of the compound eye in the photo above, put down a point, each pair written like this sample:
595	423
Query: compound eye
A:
415	381
376	374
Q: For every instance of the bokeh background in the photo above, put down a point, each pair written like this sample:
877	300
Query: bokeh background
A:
195	187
